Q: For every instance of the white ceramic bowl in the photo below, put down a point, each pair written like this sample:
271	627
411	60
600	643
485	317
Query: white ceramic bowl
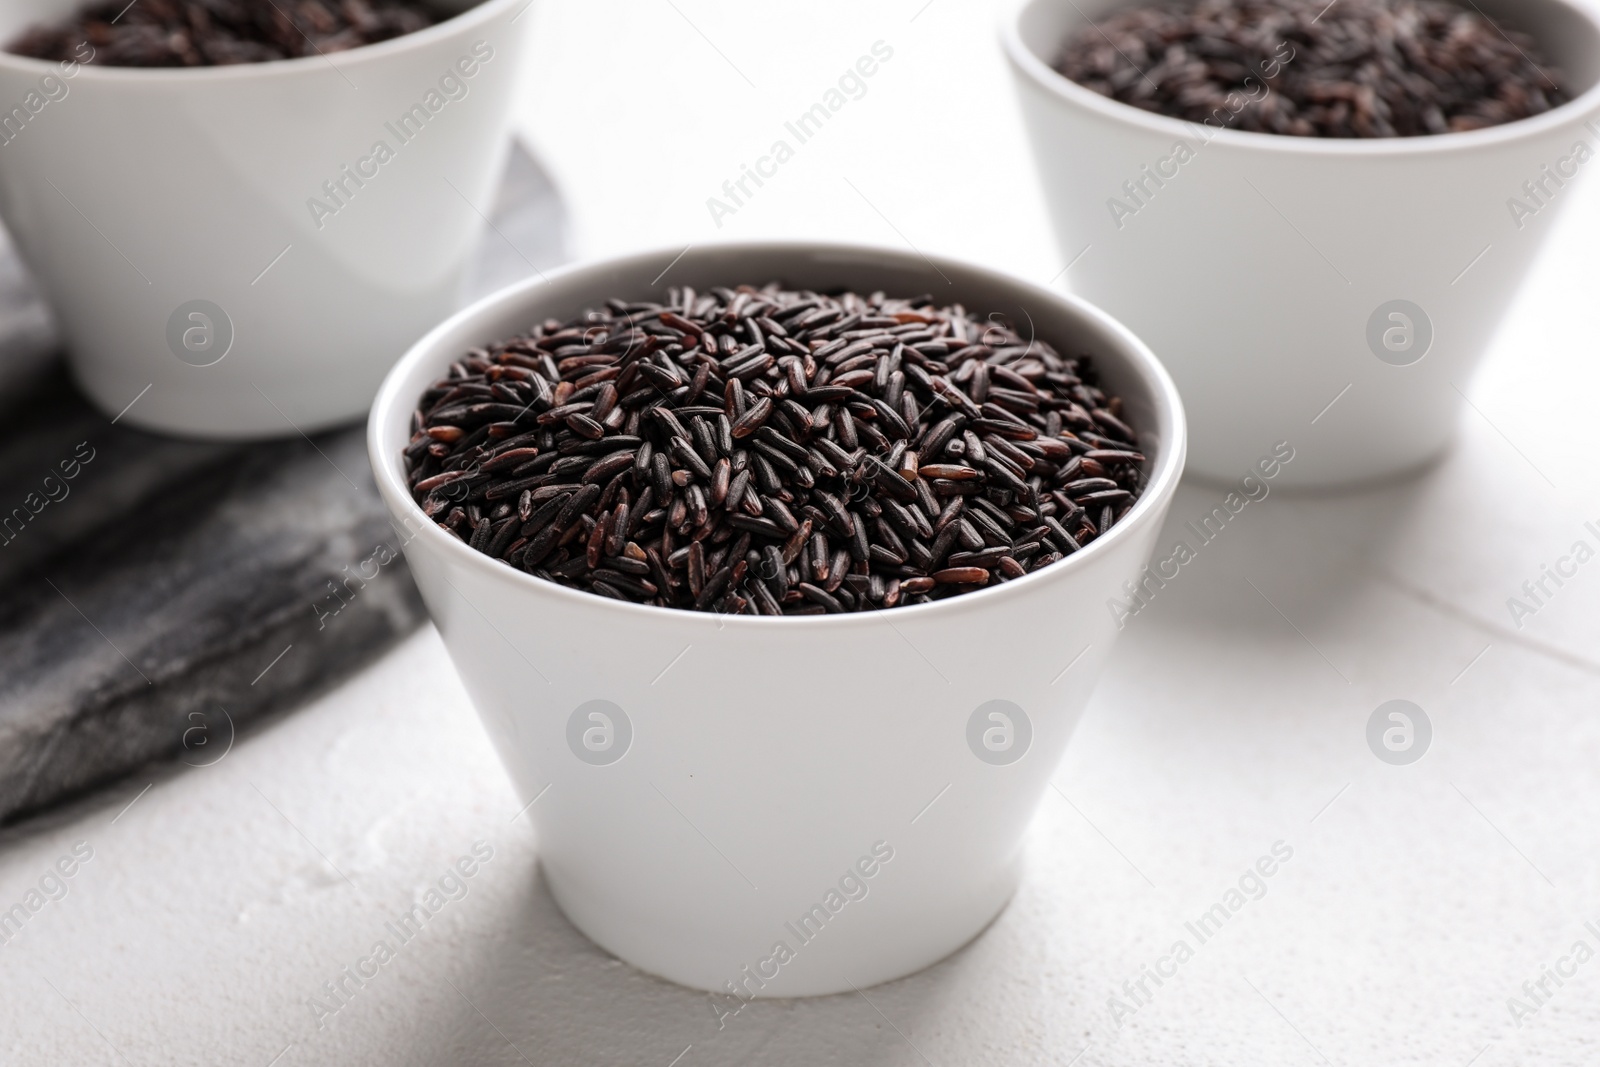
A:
1264	270
142	198
762	758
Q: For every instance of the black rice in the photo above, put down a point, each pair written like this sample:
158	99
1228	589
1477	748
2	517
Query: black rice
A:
766	451
202	33
1311	68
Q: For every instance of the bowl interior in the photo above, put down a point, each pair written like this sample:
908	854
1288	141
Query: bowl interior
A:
19	15
1569	37
1126	368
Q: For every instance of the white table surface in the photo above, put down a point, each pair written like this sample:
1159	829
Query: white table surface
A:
1417	901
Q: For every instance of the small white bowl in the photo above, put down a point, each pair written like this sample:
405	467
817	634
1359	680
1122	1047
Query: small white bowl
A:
169	215
744	766
1267	270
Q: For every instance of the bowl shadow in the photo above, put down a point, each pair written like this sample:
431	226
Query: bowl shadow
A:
1251	564
543	992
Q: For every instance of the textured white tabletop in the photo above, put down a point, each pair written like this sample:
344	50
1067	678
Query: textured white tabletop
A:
1415	901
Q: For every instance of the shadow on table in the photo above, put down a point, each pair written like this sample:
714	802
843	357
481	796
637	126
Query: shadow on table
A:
558	998
1246	568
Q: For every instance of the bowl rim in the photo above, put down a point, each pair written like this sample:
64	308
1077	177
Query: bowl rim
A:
462	22
1029	65
389	407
